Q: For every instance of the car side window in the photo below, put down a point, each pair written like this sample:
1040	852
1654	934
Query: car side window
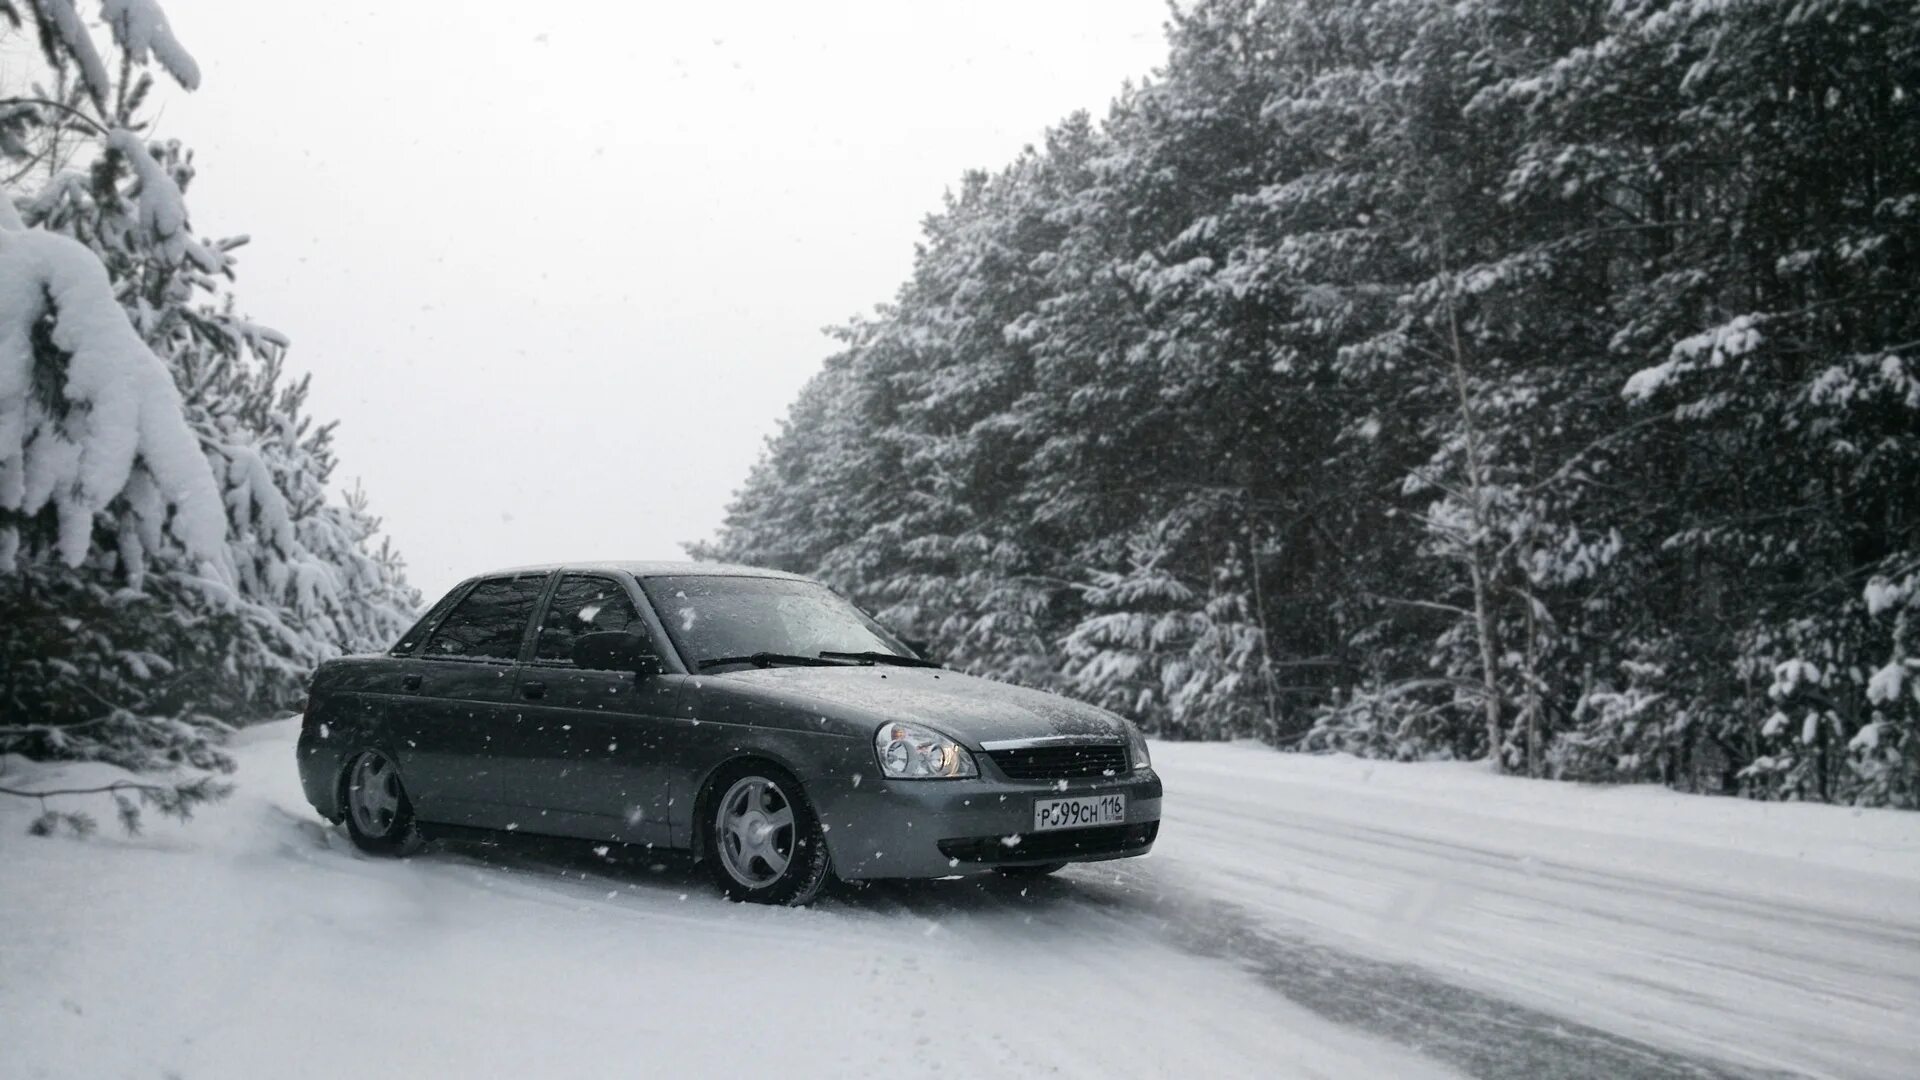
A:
418	633
489	623
584	604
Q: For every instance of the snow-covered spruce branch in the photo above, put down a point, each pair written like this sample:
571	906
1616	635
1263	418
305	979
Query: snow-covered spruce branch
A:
20	731
1429	605
104	789
177	801
1438	682
72	114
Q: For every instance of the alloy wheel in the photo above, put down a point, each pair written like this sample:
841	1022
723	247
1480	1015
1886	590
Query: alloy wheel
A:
373	794
755	826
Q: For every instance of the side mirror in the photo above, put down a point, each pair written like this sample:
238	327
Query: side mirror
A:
614	650
920	646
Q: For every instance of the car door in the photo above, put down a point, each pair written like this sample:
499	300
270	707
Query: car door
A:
463	714
596	755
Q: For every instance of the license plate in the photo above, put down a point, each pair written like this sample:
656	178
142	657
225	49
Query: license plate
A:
1050	814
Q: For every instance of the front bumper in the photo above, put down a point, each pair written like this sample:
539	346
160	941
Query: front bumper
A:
938	828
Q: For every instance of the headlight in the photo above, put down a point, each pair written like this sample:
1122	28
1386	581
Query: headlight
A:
1137	748
912	752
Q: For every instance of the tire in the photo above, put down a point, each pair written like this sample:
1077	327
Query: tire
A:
379	815
1039	870
764	844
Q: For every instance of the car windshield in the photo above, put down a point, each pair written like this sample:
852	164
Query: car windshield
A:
714	617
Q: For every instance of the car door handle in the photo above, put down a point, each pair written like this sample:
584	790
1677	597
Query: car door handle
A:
409	682
533	689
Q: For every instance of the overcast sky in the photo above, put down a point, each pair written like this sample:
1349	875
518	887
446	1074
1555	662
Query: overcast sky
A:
558	270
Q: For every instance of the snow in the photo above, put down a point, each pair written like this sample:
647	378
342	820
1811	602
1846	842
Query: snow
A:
256	942
1728	341
139	26
161	208
1884	687
72	30
1882	595
1301	916
1768	935
132	414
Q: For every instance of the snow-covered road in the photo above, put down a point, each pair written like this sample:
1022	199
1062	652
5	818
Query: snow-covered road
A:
1301	917
1464	910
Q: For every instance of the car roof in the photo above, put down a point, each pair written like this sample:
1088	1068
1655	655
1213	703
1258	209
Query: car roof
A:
647	569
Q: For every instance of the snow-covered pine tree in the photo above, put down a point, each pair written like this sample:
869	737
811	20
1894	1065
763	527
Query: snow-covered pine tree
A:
1189	655
974	573
174	562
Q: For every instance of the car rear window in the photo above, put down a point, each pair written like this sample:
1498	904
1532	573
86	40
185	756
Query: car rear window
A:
490	623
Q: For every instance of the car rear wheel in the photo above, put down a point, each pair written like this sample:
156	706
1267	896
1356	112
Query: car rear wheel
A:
379	817
764	843
1039	870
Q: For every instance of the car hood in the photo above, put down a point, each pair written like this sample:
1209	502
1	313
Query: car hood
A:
971	709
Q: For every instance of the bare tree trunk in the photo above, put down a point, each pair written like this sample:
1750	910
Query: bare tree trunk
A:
1490	693
1266	640
1532	705
1476	560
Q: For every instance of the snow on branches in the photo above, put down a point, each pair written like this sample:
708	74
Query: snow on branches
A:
173	560
140	27
88	414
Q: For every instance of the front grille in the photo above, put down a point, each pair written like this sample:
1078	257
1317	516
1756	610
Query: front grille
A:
1062	762
1102	840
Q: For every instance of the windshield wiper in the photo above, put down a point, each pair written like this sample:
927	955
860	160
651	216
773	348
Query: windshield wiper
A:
883	658
768	659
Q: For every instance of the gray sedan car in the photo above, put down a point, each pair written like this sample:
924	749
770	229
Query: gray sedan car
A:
758	719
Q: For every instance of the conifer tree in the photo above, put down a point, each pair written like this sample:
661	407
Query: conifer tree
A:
172	562
1527	382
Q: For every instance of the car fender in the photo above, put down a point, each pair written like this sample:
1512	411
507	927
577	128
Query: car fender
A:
728	730
346	712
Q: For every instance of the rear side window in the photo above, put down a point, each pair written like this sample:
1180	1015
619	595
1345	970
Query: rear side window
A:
584	605
406	645
489	623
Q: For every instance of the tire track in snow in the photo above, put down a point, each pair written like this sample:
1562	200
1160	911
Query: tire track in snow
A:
1476	1032
1884	931
1705	912
1468	1029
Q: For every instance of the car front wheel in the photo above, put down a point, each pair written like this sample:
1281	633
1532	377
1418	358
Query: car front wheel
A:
379	817
764	843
